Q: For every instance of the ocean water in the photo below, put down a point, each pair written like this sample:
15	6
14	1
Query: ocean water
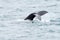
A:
14	27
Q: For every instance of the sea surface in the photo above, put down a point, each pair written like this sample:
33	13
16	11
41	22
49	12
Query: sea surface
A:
14	27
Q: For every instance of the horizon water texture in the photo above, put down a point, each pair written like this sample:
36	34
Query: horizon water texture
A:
14	27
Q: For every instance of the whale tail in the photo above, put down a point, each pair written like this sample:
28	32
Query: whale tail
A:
30	17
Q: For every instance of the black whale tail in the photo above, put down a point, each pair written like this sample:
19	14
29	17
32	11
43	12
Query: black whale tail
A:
30	17
25	19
